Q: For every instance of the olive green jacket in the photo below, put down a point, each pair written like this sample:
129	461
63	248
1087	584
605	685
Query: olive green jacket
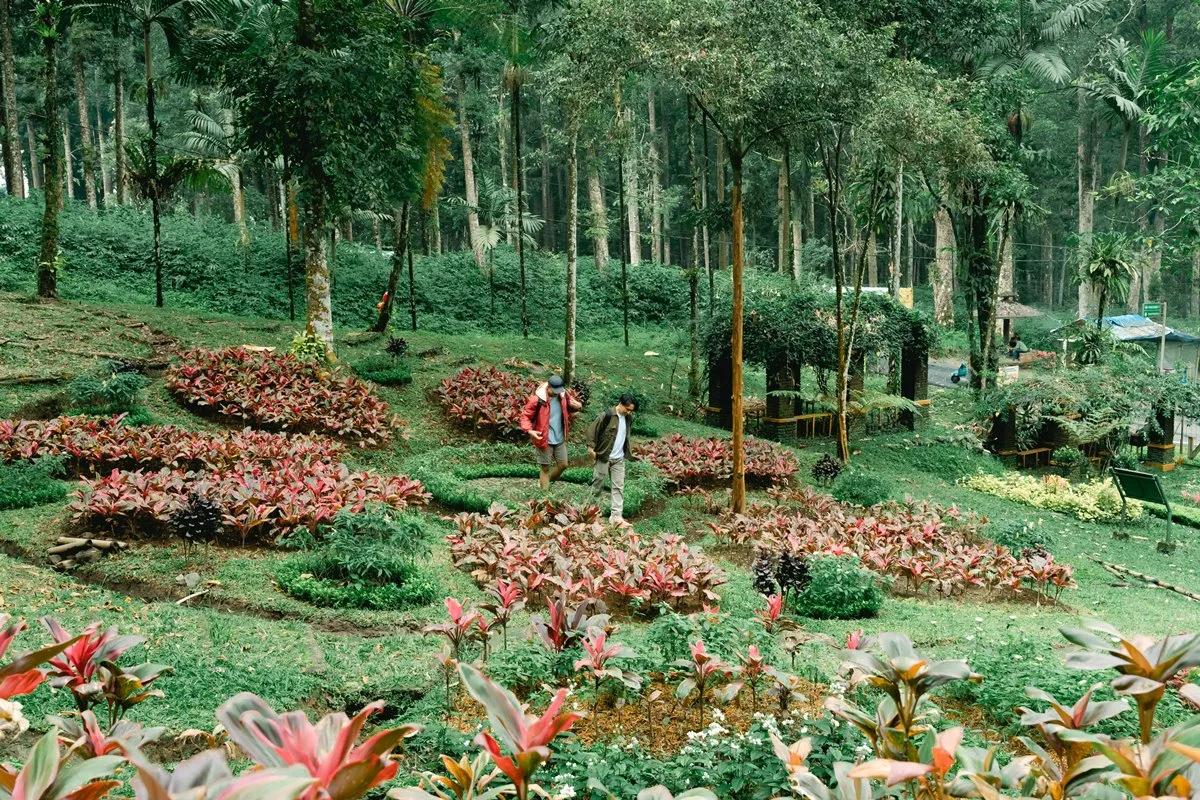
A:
602	435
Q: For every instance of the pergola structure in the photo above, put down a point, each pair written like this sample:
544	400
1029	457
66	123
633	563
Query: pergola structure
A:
787	330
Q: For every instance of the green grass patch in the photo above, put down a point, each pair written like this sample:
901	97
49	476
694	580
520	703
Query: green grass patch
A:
302	577
384	370
454	476
24	485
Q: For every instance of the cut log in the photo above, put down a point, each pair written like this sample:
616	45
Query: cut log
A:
1116	569
72	540
89	556
67	548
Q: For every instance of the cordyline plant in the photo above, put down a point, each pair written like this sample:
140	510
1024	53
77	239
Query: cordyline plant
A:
599	652
785	687
86	738
47	775
460	628
1056	723
507	600
703	671
526	738
327	751
1145	664
207	776
906	680
563	625
21	675
465	779
87	668
751	671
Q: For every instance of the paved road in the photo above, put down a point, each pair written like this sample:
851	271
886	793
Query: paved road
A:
940	371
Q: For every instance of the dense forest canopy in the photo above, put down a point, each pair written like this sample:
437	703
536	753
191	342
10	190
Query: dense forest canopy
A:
1040	151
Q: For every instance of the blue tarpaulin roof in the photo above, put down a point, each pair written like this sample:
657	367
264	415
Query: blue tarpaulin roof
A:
1136	328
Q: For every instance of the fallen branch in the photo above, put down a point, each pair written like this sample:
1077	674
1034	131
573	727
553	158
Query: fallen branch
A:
1150	579
191	596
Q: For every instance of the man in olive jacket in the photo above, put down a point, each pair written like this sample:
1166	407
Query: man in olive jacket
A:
609	443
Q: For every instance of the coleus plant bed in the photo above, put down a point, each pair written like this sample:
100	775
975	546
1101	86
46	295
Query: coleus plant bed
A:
280	392
486	400
257	501
927	547
553	550
96	445
688	462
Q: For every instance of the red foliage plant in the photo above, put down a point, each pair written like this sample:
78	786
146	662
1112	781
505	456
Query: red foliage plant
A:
257	500
928	547
706	462
280	392
96	445
548	549
486	400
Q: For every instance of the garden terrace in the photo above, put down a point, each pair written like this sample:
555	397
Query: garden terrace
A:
456	477
931	549
547	550
789	327
280	392
706	463
95	445
486	400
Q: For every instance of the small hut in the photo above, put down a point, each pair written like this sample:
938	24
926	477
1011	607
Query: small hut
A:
1007	310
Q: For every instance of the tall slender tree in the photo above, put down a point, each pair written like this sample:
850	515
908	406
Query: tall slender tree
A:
13	168
50	21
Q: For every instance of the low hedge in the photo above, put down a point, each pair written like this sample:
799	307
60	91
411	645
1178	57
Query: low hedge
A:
445	473
300	577
28	484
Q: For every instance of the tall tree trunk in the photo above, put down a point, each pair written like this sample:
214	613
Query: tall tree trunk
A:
982	281
909	260
806	197
633	226
872	257
624	250
547	208
599	212
47	266
784	255
738	494
292	239
68	164
87	147
572	246
238	195
656	222
665	169
897	232
400	245
698	172
121	175
377	234
704	232
1084	164
105	181
722	238
435	227
1048	268
1008	224
412	289
35	168
13	168
519	177
503	145
152	166
797	237
468	162
317	294
1194	306
945	255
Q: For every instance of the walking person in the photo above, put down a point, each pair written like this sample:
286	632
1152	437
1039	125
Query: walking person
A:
546	419
609	443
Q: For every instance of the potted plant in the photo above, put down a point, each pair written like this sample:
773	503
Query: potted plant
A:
1068	459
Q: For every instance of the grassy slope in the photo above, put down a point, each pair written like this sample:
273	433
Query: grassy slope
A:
294	655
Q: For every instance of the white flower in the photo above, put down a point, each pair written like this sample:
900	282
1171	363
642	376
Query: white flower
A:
971	638
565	792
1017	656
979	619
12	721
718	714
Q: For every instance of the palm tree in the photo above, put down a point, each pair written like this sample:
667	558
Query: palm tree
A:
1126	77
145	15
212	138
1032	43
1105	262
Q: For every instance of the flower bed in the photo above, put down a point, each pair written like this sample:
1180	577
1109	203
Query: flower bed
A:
101	444
928	547
486	400
447	473
1096	501
706	462
280	392
257	500
547	549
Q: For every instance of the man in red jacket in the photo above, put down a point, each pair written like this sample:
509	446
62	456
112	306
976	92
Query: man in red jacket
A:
547	420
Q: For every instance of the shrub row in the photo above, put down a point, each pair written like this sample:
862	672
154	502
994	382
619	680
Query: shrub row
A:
707	462
486	400
257	500
100	444
930	548
1096	501
547	549
280	392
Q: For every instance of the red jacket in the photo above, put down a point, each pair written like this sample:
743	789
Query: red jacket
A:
535	417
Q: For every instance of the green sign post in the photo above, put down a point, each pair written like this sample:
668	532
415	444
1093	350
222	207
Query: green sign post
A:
1151	309
1144	486
1159	310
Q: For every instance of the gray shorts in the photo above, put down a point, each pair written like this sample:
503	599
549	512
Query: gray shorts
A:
555	452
